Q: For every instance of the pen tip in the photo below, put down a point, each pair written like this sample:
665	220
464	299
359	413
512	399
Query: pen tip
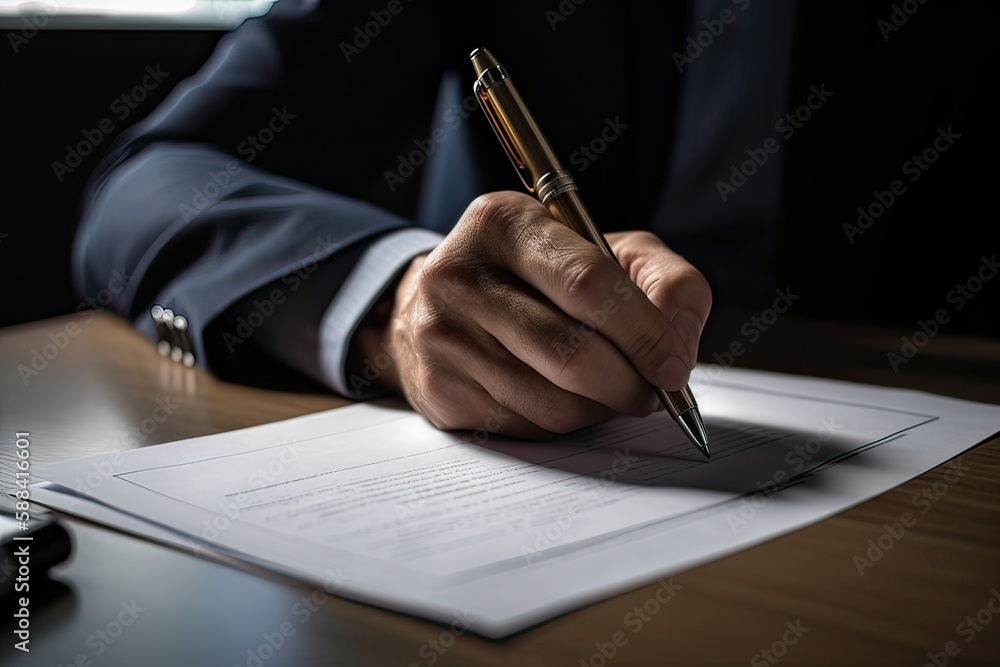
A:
693	426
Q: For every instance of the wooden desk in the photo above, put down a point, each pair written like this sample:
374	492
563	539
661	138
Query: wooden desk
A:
107	379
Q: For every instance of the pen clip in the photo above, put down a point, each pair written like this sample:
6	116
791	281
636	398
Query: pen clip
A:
499	126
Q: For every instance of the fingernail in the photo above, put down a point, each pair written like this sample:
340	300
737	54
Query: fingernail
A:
672	375
690	331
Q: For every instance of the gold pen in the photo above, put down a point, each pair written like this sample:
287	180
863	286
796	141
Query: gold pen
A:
541	174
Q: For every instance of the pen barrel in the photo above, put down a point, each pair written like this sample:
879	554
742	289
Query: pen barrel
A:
539	170
677	402
518	132
568	208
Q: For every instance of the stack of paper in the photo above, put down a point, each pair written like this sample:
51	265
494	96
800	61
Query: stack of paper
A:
372	503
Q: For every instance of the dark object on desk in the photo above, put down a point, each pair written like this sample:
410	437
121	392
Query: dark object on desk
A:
41	546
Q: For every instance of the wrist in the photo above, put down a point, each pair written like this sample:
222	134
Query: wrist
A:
371	354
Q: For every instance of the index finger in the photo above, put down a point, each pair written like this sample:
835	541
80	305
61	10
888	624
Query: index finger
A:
676	287
592	288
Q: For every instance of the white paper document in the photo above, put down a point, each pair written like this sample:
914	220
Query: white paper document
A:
372	503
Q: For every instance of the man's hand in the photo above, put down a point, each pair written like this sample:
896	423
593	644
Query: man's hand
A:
516	311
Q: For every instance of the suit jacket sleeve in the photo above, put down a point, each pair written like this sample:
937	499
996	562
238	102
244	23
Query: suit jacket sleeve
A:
259	178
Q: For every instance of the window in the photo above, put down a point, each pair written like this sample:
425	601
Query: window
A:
128	14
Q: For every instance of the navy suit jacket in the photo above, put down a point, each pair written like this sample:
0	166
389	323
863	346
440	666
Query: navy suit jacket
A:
310	133
304	138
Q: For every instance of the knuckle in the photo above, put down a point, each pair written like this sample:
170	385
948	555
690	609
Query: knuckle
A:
520	233
645	237
483	215
436	392
430	335
485	206
549	409
448	281
693	281
445	272
589	273
686	284
645	346
569	351
561	416
501	222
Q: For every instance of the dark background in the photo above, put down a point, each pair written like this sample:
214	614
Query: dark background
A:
938	69
59	84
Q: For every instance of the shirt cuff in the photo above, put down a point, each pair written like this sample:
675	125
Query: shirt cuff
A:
381	262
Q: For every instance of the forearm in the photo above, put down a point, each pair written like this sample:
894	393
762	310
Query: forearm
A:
256	230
